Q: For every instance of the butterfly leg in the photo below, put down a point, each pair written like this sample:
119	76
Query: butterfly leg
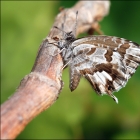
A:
58	52
66	64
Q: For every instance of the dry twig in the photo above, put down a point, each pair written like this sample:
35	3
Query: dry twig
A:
40	89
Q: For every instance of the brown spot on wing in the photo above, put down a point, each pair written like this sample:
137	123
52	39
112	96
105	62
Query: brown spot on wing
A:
108	55
122	49
104	67
118	40
91	51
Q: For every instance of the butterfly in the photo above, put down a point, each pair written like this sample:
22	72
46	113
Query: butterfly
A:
107	62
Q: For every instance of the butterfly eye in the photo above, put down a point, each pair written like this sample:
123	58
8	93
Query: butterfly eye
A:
69	38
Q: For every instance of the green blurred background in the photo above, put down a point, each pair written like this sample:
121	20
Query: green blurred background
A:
82	113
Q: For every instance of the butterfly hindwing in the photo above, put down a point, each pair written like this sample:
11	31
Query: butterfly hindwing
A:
74	78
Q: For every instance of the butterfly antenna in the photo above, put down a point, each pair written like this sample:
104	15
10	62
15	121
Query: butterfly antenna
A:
64	22
75	24
59	29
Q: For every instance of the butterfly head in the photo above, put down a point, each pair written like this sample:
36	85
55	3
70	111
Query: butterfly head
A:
69	37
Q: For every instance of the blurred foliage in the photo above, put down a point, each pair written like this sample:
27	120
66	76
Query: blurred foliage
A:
80	114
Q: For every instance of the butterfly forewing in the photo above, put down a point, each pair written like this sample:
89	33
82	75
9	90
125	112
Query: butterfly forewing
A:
106	62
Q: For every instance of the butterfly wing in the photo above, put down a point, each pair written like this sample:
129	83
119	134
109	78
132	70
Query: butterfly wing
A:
106	62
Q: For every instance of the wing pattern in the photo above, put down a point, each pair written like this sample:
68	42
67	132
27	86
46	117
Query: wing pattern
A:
106	62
